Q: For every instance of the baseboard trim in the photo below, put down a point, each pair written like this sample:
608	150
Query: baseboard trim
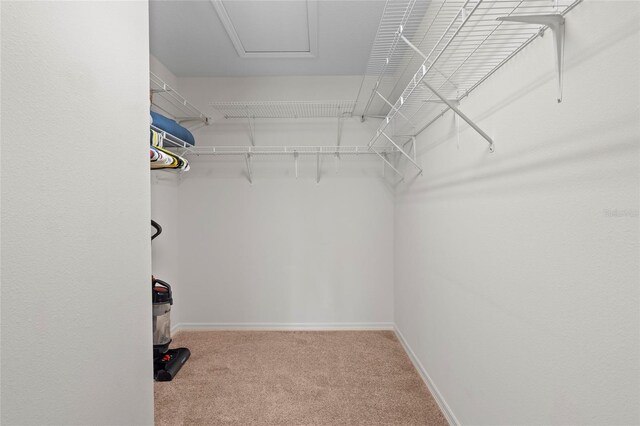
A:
285	326
444	407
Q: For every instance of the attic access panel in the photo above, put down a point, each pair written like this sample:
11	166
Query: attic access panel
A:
270	29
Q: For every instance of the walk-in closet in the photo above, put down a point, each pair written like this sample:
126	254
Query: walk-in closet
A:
351	212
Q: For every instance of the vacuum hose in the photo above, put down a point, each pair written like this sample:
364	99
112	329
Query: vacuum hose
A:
158	228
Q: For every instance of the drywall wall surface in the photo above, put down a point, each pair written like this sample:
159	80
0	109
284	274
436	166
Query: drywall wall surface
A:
161	71
516	272
285	252
76	306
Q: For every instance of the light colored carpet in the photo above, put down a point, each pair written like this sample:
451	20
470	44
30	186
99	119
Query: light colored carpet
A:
295	378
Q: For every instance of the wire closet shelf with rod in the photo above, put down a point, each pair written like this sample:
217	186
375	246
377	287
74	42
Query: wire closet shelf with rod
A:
429	55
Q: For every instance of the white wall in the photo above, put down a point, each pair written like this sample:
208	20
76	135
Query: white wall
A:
76	312
517	272
283	252
160	70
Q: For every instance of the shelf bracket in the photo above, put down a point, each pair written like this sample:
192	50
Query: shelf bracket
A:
460	114
295	161
388	163
252	136
384	169
402	152
339	139
318	167
247	160
415	152
556	23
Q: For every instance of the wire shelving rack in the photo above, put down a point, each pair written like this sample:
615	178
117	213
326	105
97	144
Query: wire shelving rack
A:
170	102
458	45
285	109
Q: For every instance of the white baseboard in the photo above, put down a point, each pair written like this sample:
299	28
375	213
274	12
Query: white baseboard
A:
285	326
444	407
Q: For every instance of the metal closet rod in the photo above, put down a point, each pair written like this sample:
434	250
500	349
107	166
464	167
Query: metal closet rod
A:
282	150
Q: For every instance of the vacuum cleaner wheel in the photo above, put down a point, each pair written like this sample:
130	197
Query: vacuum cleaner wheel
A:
167	365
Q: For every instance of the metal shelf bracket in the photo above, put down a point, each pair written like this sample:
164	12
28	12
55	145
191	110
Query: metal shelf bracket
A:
339	138
401	151
556	23
247	159
385	161
460	114
252	135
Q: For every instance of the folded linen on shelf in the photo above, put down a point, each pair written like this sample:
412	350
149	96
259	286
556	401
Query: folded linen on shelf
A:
172	127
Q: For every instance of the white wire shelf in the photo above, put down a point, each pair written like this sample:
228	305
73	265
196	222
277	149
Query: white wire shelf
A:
284	109
171	141
170	102
278	150
462	42
388	54
292	152
464	45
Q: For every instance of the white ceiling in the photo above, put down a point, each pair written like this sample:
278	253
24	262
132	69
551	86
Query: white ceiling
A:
268	36
191	40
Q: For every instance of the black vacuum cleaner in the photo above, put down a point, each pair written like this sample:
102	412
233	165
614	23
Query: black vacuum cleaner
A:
166	362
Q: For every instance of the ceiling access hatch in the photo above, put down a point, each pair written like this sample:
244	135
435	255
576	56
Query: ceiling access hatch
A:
270	29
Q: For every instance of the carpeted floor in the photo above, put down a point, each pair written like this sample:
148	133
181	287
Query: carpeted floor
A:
295	378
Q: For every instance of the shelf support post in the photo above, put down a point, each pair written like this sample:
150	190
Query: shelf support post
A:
247	160
252	136
295	161
556	23
402	152
318	167
339	139
388	164
461	115
415	152
384	169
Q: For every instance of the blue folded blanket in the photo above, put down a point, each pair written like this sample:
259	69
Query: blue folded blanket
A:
172	127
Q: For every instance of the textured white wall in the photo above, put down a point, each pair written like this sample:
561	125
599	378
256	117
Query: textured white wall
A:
76	311
517	272
160	70
283	251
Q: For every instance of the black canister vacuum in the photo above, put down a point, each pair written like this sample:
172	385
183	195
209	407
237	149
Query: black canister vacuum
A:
166	362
